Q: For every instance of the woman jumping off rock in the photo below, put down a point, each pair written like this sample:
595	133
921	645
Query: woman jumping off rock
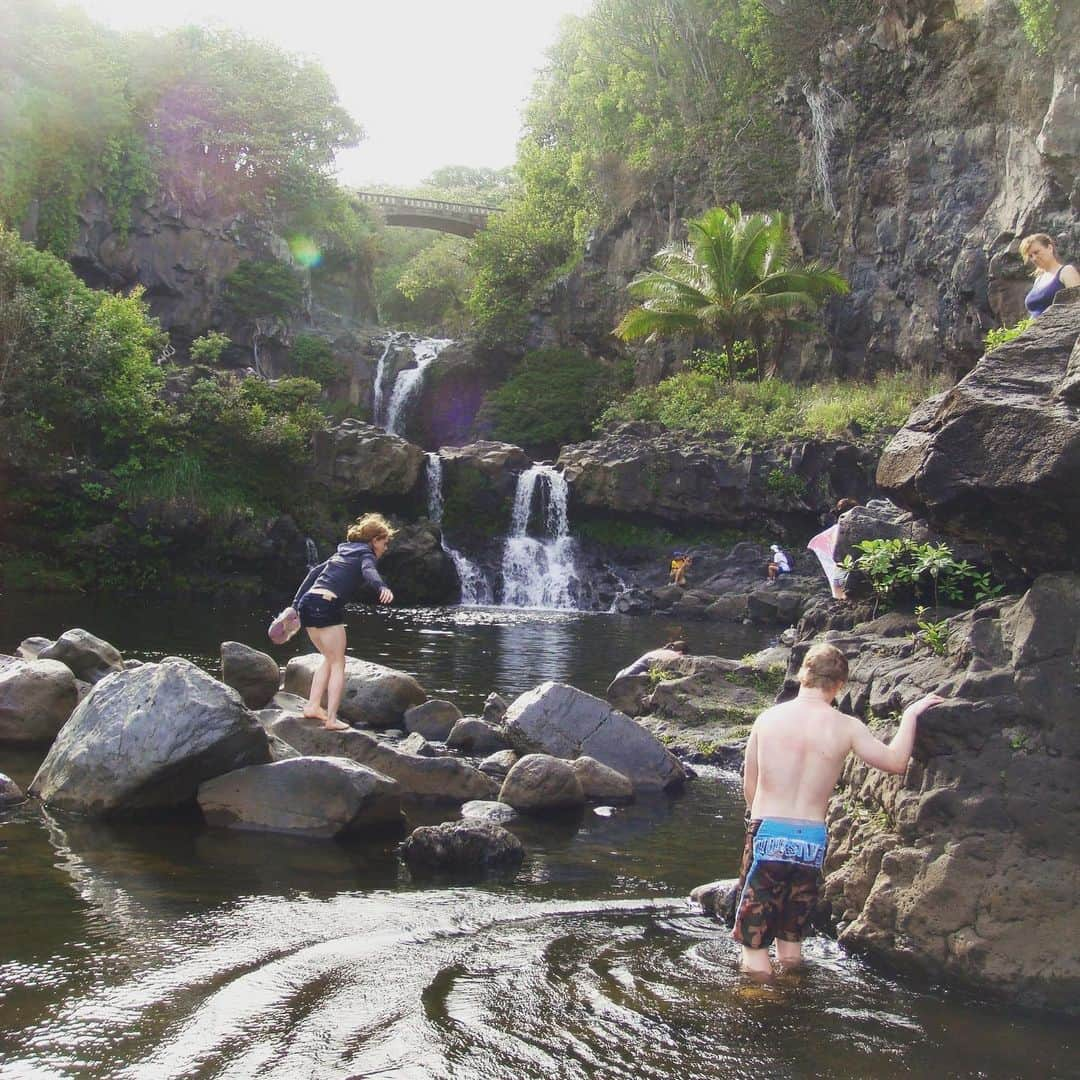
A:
321	600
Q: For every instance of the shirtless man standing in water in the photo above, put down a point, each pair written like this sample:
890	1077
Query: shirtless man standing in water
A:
793	760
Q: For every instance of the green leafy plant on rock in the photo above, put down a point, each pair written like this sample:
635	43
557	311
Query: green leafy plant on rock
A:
1002	335
1039	19
313	358
934	634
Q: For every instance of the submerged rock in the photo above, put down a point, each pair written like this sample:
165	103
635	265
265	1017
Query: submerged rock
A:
470	848
146	739
311	796
89	657
374	695
565	722
255	675
36	699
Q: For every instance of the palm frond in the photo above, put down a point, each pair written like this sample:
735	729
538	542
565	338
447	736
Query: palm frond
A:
641	322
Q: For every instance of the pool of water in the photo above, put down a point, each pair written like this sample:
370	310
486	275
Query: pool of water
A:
173	950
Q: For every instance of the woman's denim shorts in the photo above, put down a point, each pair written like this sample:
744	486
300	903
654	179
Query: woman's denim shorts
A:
316	610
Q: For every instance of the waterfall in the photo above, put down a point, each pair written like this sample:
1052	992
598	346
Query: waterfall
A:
312	551
409	381
380	377
474	586
825	104
540	573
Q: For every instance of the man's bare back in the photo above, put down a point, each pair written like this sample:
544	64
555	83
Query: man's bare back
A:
797	749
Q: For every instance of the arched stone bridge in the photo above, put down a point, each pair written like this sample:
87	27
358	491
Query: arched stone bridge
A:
462	219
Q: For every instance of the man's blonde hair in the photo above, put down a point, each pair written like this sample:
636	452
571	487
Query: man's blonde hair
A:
824	667
369	527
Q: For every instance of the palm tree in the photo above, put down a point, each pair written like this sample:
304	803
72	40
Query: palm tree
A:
735	279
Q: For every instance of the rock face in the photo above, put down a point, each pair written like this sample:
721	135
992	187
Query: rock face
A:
939	142
374	695
469	848
36	699
539	783
638	468
254	674
997	458
310	796
146	739
441	778
565	722
361	459
418	569
89	658
966	867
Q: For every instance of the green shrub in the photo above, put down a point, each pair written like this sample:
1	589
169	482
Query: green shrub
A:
263	288
313	358
208	348
1039	19
552	398
772	409
784	484
739	361
1001	335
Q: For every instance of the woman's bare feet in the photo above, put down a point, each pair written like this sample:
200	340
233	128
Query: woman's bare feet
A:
314	712
335	725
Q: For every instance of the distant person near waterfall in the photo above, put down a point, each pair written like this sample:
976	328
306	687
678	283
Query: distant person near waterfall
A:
793	760
1051	275
321	600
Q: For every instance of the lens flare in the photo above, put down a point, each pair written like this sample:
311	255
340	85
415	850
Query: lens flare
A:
305	251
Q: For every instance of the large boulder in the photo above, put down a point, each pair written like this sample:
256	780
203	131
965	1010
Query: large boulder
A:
374	695
311	796
565	722
36	699
89	657
146	739
473	736
361	459
965	867
440	778
539	783
466	848
32	647
997	458
255	675
599	782
434	719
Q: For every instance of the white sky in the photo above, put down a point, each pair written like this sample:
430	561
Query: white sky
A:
433	83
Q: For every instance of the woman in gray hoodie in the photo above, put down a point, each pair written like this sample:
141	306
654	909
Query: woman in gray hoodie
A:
321	600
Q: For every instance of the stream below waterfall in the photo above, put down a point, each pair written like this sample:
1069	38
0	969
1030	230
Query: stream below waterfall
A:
173	950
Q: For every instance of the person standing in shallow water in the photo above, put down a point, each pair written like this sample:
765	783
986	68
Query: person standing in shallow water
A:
321	600
1051	275
793	760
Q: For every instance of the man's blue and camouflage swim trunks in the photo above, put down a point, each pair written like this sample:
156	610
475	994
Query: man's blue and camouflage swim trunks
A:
778	885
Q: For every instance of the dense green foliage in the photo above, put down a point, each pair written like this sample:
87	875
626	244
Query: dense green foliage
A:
553	398
313	358
199	113
207	348
261	288
1002	334
1039	19
79	381
909	571
758	411
436	283
736	279
637	90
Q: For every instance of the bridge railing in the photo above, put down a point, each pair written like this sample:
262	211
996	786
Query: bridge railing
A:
408	202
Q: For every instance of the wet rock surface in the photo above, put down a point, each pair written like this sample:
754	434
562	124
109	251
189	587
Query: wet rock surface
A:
10	792
462	848
307	796
144	740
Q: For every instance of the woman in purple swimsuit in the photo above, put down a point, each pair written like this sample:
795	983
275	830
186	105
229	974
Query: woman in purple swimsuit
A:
1051	276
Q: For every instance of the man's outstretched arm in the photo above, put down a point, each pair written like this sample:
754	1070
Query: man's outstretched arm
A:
892	758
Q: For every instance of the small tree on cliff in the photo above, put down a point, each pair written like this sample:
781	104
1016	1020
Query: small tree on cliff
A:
735	279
